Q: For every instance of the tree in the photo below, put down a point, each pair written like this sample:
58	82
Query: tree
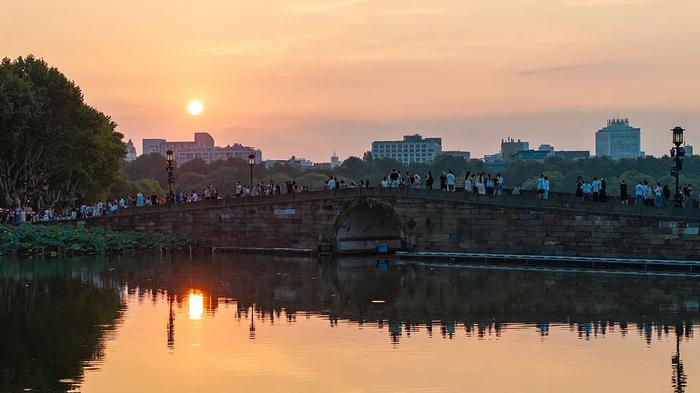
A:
148	166
353	166
54	148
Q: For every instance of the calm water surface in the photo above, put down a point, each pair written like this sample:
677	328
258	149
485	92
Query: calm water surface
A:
270	324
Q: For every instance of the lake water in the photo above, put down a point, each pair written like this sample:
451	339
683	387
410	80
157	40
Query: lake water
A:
260	323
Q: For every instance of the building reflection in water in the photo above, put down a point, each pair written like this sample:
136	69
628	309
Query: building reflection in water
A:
451	303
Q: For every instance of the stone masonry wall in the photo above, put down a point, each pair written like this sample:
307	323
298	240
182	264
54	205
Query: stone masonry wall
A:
428	224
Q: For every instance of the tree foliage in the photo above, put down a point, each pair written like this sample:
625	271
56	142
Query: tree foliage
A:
563	173
54	148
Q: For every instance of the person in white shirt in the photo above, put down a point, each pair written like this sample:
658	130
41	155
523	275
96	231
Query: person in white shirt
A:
586	188
481	187
540	187
450	181
595	187
648	194
416	181
468	186
545	195
658	195
638	193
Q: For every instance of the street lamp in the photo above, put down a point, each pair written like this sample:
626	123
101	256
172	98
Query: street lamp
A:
677	152
251	162
171	178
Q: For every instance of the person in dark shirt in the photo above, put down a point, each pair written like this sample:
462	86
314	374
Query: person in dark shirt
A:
667	195
579	189
624	197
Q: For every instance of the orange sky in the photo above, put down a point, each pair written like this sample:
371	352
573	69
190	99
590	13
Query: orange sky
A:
306	77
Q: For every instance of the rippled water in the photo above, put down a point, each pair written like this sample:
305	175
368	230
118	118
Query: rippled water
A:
261	323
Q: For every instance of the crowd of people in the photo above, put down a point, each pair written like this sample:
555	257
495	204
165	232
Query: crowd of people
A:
643	193
478	183
593	190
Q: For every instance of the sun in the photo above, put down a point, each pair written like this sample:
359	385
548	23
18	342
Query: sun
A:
195	107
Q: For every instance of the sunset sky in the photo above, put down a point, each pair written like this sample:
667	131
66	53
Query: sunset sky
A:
307	77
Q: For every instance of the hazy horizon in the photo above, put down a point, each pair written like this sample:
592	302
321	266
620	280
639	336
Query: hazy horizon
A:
312	77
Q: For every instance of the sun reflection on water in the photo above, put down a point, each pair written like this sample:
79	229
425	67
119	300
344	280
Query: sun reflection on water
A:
196	304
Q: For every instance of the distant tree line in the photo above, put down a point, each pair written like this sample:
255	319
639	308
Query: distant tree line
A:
148	171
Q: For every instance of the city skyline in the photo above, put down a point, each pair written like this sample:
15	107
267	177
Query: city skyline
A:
314	76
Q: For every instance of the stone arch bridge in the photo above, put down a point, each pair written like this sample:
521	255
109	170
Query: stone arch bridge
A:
357	220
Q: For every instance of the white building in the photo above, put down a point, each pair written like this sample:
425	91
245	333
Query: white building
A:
618	140
202	147
130	151
413	148
335	161
294	161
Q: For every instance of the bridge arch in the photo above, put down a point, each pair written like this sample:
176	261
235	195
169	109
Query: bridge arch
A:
367	222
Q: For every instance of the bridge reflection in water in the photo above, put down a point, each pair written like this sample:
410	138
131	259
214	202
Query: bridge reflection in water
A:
405	301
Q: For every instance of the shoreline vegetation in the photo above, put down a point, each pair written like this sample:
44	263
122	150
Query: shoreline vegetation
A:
28	240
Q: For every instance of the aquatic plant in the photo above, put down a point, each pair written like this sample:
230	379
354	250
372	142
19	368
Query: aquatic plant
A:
25	240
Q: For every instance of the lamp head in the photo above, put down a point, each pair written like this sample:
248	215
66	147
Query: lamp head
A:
677	136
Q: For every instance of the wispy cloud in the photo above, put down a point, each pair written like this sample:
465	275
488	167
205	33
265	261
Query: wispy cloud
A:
414	11
321	7
258	47
555	69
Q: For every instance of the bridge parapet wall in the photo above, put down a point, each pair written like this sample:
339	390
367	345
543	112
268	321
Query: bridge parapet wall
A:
430	221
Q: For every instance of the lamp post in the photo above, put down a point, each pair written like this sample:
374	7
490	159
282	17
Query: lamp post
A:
677	153
171	178
251	162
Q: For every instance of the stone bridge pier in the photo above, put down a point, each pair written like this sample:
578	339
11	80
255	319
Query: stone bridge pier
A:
357	220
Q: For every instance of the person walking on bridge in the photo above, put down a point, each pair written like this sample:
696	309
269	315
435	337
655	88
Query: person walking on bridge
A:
658	195
624	198
638	193
540	187
450	180
499	184
595	187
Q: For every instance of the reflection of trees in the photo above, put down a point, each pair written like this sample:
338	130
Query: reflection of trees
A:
52	322
405	297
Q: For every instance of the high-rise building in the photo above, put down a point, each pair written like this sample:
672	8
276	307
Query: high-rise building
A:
130	151
618	140
202	147
413	148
